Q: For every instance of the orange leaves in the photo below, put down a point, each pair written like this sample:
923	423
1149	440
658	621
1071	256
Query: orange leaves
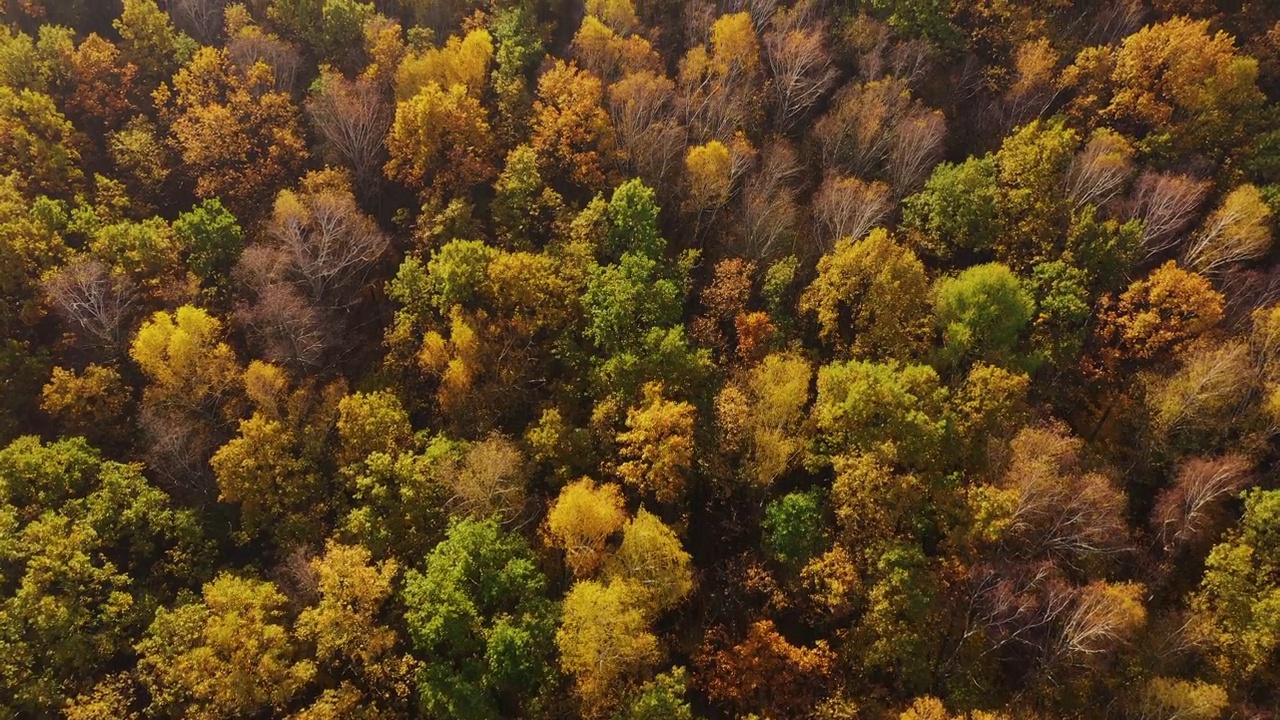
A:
658	445
766	673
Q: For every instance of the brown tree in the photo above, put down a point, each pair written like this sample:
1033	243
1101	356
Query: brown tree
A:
353	117
1186	511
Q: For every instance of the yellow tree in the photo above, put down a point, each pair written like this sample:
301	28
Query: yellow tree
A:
440	142
605	642
652	558
581	521
657	447
871	298
239	137
571	131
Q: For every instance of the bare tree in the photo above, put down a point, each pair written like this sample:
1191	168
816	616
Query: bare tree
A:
769	210
1185	511
201	19
178	451
858	134
1166	203
652	140
488	480
796	52
252	46
848	208
1237	231
95	302
292	330
1103	617
1061	510
1116	21
353	117
1034	84
1099	171
329	244
916	148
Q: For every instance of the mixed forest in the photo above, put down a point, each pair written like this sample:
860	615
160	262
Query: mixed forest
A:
639	359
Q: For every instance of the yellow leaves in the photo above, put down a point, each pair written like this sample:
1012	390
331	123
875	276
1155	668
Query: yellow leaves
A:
735	48
184	357
604	638
343	624
265	384
462	61
1238	230
618	15
440	141
764	412
1157	316
658	445
709	173
581	521
652	558
876	291
571	131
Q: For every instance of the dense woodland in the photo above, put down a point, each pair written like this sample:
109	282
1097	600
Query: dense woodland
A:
639	359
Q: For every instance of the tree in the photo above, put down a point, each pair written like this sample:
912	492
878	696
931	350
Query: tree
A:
148	40
238	136
479	614
891	410
1167	203
212	240
846	207
609	55
662	698
982	312
353	117
1234	611
650	137
582	519
347	624
1172	79
1155	318
709	173
228	654
373	422
278	488
799	63
185	359
871	298
570	130
871	502
87	404
766	672
462	61
440	142
328	246
89	548
762	415
1100	170
651	561
1238	230
604	641
1187	510
201	19
657	447
794	527
959	207
719	86
1202	398
1061	509
95	302
36	146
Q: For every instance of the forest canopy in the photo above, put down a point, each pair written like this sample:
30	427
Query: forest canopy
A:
639	359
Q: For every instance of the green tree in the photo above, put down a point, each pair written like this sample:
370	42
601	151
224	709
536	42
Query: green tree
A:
795	527
982	313
211	241
1237	608
887	409
479	615
89	548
